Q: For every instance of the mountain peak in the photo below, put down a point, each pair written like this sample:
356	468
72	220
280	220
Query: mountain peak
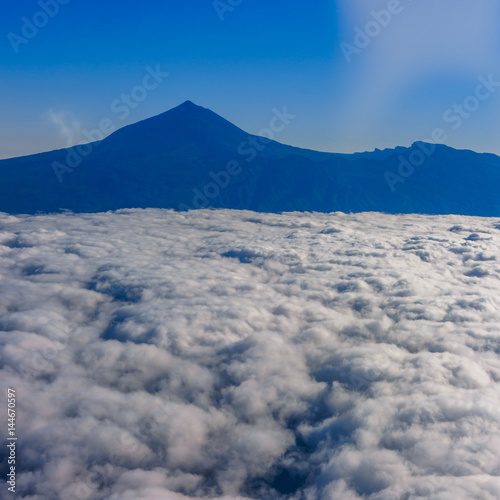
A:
186	131
190	157
187	106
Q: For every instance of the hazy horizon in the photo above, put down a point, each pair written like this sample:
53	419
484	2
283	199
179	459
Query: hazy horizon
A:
260	135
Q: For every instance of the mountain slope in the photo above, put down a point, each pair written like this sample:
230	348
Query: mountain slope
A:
190	157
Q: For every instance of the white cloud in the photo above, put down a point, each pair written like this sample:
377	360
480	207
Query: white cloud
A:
225	354
68	126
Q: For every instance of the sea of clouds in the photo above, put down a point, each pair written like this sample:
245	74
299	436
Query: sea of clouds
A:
230	354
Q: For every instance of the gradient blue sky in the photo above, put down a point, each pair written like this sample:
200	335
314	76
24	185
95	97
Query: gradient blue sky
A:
263	55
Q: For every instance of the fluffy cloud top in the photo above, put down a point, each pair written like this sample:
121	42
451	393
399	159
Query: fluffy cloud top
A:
228	354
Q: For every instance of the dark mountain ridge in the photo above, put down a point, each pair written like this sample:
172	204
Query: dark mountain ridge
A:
190	157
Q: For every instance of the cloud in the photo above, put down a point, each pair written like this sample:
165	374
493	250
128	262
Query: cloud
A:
221	354
68	126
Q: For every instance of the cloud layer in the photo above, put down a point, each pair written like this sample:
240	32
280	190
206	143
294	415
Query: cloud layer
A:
229	354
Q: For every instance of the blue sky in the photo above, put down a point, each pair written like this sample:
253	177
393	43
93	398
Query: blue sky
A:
251	57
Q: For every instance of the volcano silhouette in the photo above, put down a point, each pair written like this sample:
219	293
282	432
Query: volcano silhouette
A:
190	158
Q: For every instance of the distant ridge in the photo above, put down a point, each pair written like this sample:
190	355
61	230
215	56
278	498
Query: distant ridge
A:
189	157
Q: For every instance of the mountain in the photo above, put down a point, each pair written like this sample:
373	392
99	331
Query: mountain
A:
190	157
